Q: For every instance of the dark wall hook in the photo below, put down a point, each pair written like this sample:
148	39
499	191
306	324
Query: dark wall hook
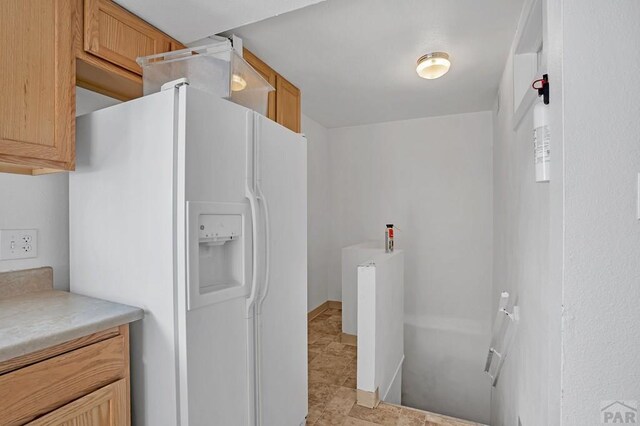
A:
542	86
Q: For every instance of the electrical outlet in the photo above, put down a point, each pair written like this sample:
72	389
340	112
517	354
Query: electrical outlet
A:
18	244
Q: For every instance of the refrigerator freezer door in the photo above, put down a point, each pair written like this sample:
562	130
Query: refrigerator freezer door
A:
121	211
282	185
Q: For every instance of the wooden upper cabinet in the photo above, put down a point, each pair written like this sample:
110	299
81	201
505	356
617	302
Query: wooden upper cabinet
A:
106	48
116	35
284	102
47	48
37	76
268	74
176	45
287	104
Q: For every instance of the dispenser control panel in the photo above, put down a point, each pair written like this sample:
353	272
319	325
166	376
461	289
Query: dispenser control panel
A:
219	227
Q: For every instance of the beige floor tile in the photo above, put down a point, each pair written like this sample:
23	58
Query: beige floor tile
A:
316	347
387	415
330	377
332	383
312	354
321	393
314	415
350	382
442	420
321	342
331	419
336	411
357	422
329	363
327	325
352	367
351	349
346	394
313	336
410	417
341	350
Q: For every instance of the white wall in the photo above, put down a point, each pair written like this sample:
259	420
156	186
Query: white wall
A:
585	306
318	211
601	291
380	281
521	266
432	178
88	101
42	202
352	257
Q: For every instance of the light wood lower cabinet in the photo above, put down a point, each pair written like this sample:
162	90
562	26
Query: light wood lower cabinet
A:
104	407
81	382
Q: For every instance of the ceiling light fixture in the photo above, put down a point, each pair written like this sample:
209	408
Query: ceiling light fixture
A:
433	65
238	83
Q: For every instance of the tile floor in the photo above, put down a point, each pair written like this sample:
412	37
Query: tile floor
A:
332	384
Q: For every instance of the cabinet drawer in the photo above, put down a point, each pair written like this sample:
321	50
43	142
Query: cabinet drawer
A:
40	388
116	35
105	407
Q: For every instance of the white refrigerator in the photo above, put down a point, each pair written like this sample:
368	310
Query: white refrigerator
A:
195	209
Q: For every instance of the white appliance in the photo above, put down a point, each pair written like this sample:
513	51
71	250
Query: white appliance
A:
195	209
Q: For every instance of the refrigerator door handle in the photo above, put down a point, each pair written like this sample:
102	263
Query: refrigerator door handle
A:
258	325
252	158
267	238
253	202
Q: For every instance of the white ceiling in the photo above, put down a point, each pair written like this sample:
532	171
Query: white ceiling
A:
354	60
190	20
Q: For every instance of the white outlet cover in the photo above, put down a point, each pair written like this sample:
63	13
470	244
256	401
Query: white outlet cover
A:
18	244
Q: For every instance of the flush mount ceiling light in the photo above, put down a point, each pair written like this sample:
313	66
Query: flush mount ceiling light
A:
433	65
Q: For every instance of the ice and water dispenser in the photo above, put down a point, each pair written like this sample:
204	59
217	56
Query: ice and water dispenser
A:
219	255
220	251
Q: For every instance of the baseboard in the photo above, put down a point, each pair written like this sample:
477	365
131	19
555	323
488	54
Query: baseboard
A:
334	304
367	399
349	339
317	311
329	304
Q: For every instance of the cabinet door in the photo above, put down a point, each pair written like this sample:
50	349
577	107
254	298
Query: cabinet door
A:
107	406
268	74
37	389
118	36
287	104
175	45
37	76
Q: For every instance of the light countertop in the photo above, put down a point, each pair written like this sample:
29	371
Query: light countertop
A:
34	321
